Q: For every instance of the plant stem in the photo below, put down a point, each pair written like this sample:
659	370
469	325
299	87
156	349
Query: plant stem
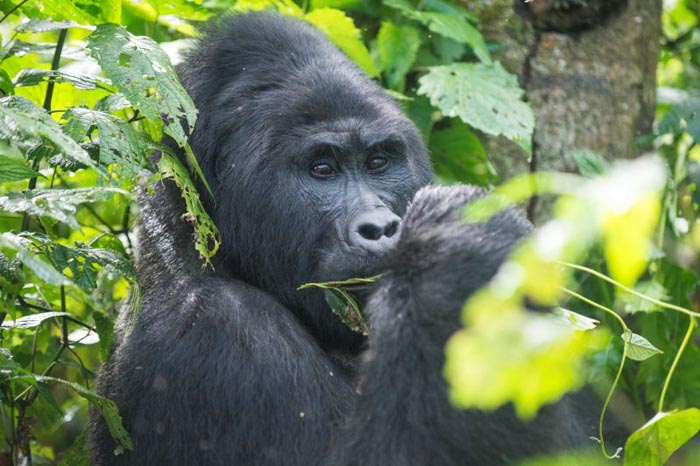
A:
626	331
673	307
681	349
12	10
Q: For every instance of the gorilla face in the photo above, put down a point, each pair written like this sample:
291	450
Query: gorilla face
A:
311	164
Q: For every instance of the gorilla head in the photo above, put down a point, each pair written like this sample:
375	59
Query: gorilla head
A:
311	164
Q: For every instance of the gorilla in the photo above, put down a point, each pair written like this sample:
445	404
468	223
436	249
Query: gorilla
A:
312	169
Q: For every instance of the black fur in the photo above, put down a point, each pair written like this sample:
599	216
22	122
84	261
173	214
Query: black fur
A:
237	367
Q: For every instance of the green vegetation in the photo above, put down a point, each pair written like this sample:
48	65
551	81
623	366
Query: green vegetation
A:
87	92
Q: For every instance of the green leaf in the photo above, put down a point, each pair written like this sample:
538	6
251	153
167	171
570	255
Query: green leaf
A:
631	304
13	170
143	73
486	97
639	348
590	164
121	147
655	442
457	154
574	320
173	14
47	25
6	86
455	28
346	308
105	329
81	11
25	127
683	117
398	46
106	407
34	76
32	321
207	240
43	270
341	30
59	204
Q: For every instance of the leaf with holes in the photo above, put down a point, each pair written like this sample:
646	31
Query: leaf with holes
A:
487	98
59	204
26	127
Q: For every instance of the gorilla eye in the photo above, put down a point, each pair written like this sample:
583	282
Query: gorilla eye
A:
322	169
377	163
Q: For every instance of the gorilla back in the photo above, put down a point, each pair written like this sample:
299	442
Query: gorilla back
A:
312	167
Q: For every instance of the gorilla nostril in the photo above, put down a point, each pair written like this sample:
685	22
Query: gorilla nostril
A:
391	229
370	231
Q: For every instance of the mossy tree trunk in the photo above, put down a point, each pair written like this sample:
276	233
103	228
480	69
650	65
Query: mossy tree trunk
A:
589	70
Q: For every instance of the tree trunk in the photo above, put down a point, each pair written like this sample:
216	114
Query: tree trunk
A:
589	71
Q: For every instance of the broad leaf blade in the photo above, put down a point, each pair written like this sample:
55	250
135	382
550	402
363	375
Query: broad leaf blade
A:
398	46
14	170
639	348
655	442
487	98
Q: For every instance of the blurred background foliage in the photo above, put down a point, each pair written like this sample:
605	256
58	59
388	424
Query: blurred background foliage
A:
87	90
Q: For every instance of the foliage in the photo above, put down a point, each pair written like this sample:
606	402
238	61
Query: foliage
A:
87	94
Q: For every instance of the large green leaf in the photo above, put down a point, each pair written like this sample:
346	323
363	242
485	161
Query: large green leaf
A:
341	30
13	170
665	433
486	97
27	127
206	238
458	155
398	46
59	204
80	11
143	73
122	147
43	270
455	28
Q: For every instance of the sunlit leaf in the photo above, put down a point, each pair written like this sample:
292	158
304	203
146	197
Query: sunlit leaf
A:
398	46
574	320
25	126
13	170
32	321
34	76
43	270
59	204
639	348
627	238
655	442
341	30
487	98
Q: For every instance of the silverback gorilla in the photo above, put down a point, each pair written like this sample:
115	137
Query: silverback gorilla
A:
312	168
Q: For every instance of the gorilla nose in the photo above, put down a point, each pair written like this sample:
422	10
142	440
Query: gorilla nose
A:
374	230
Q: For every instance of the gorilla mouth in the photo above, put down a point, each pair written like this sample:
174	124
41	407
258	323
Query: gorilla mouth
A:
350	263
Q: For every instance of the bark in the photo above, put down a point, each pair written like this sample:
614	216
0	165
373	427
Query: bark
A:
591	87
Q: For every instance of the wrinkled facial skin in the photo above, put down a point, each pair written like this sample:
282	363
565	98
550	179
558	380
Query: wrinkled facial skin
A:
310	172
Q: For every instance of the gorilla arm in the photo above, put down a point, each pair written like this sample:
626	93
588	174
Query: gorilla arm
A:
403	415
221	374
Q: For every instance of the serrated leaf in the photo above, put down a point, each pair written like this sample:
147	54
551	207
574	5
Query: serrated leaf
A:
32	321
487	98
46	25
658	439
575	321
14	170
457	154
398	46
341	30
43	270
143	73
639	348
112	103
34	76
457	29
207	240
120	145
59	204
106	407
26	126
